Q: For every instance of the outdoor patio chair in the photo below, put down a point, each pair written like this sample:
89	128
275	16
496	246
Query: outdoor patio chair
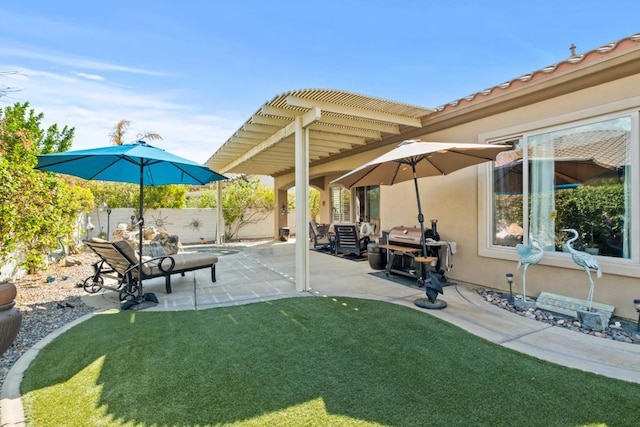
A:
349	241
120	258
320	236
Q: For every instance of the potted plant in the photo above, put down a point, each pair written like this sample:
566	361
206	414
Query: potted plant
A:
10	316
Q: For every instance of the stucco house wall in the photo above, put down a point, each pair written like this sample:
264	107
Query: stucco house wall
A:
457	200
454	199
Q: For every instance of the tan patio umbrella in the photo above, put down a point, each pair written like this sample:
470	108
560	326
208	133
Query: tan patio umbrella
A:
413	159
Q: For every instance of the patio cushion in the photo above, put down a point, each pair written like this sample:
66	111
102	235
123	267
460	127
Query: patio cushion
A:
162	266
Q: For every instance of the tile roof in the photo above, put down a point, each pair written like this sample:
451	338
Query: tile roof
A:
574	61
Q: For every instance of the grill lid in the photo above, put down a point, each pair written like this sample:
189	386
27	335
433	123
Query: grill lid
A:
410	235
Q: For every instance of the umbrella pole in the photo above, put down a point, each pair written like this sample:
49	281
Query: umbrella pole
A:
421	221
425	302
420	216
140	227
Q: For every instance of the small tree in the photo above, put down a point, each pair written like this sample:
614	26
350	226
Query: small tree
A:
124	195
35	207
245	201
120	129
314	203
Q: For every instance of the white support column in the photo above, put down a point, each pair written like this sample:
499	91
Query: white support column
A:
302	205
220	219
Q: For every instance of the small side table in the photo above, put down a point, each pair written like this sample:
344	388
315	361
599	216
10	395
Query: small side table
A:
332	242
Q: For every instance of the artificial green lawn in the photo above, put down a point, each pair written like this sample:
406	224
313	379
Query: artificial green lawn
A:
305	361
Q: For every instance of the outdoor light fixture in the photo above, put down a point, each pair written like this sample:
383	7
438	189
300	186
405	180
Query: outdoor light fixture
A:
107	209
637	303
510	282
283	209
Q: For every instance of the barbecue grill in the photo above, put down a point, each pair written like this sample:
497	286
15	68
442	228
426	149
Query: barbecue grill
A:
407	245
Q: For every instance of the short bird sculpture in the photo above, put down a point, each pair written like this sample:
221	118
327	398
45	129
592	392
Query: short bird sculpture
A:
584	260
58	254
529	255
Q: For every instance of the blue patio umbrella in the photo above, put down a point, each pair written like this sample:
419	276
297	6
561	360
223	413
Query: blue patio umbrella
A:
138	163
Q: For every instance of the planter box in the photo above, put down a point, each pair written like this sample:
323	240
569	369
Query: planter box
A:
569	306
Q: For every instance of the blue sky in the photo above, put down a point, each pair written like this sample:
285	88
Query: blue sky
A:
194	71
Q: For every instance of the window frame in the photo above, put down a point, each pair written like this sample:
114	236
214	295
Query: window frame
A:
616	266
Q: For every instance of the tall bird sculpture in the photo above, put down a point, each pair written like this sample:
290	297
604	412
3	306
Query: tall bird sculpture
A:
529	255
584	260
56	256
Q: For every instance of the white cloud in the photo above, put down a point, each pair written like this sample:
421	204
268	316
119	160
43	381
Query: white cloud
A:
61	58
94	106
89	76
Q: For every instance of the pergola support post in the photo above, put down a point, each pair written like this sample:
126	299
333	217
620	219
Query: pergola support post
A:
302	205
220	217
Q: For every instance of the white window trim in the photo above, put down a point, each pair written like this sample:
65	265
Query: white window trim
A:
610	265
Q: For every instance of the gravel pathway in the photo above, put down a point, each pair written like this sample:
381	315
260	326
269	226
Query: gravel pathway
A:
47	306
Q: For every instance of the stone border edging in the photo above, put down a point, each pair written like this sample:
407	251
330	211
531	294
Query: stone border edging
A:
11	409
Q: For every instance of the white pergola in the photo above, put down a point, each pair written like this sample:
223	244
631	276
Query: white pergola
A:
301	128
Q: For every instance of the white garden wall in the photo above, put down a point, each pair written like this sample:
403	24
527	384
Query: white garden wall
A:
191	225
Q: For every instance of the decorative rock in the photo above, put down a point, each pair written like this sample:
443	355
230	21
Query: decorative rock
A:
592	319
621	338
616	325
626	332
69	262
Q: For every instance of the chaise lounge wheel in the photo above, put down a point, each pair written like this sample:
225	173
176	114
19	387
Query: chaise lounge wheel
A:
128	292
92	285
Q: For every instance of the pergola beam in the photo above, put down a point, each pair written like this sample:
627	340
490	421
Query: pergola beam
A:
305	119
364	133
261	128
269	120
296	101
356	122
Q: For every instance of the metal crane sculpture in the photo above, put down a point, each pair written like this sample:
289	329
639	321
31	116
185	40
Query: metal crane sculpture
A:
530	254
56	256
584	260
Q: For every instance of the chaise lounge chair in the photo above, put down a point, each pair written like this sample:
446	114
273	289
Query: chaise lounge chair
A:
348	240
120	258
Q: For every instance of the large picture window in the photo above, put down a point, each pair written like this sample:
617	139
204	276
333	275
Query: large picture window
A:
577	177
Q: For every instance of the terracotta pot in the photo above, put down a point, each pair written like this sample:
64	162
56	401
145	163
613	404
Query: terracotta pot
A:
7	293
10	317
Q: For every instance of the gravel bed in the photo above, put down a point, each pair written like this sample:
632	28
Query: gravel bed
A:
619	329
46	306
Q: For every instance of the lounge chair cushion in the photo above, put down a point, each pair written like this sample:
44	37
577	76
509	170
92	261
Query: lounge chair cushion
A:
183	262
123	259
